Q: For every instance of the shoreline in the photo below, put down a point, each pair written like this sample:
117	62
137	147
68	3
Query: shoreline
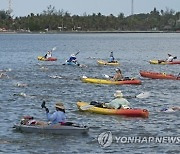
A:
81	32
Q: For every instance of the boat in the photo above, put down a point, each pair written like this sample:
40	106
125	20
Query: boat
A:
45	128
102	62
74	64
46	59
164	63
156	75
108	81
122	112
71	63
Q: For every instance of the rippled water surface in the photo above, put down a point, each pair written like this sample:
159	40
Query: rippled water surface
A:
18	56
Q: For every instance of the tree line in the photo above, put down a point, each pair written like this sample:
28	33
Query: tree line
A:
53	20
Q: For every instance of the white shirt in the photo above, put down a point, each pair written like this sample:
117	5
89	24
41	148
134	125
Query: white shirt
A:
170	59
49	55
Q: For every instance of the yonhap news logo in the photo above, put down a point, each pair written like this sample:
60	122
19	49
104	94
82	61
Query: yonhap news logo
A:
105	139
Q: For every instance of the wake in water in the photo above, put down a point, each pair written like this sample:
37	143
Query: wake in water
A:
55	76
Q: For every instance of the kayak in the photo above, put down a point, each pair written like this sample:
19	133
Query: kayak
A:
156	75
123	112
107	81
102	62
52	128
74	64
46	59
71	63
164	63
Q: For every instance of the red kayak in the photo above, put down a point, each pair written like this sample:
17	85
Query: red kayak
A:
156	75
46	59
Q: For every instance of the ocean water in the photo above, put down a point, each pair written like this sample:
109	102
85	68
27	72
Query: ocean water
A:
18	57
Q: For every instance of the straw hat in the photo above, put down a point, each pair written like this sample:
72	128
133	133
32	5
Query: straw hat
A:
118	94
59	105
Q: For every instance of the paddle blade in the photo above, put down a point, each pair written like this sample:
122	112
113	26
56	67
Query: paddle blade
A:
86	107
143	95
84	77
106	76
53	48
43	104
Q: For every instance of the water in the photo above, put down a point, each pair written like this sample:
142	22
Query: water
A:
19	57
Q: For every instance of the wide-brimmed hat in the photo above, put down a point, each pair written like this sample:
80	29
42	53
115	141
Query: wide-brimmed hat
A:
60	106
118	93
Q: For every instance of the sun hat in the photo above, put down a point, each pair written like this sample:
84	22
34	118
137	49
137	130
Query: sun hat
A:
59	105
118	93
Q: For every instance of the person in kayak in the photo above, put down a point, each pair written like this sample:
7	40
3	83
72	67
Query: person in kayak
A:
58	116
171	109
169	59
72	58
48	55
4	75
111	59
118	76
118	103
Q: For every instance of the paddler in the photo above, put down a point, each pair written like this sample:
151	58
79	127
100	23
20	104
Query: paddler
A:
58	116
118	102
111	58
48	55
118	76
169	59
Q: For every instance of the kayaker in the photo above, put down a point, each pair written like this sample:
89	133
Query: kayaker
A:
58	116
118	102
118	76
111	59
48	55
72	58
4	75
171	109
169	59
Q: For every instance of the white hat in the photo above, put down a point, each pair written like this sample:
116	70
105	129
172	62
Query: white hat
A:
118	94
72	55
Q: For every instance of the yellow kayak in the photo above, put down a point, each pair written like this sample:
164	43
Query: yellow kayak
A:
107	81
164	63
102	62
84	106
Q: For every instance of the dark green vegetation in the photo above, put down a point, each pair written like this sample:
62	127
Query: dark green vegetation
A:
53	20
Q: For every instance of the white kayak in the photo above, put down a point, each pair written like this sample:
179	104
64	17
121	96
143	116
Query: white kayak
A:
66	128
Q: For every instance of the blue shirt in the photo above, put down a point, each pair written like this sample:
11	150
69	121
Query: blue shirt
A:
72	59
56	117
111	59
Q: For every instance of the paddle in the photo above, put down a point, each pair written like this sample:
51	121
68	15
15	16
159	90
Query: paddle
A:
77	53
43	105
53	49
107	76
141	95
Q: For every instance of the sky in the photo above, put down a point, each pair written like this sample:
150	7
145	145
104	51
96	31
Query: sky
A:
79	7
